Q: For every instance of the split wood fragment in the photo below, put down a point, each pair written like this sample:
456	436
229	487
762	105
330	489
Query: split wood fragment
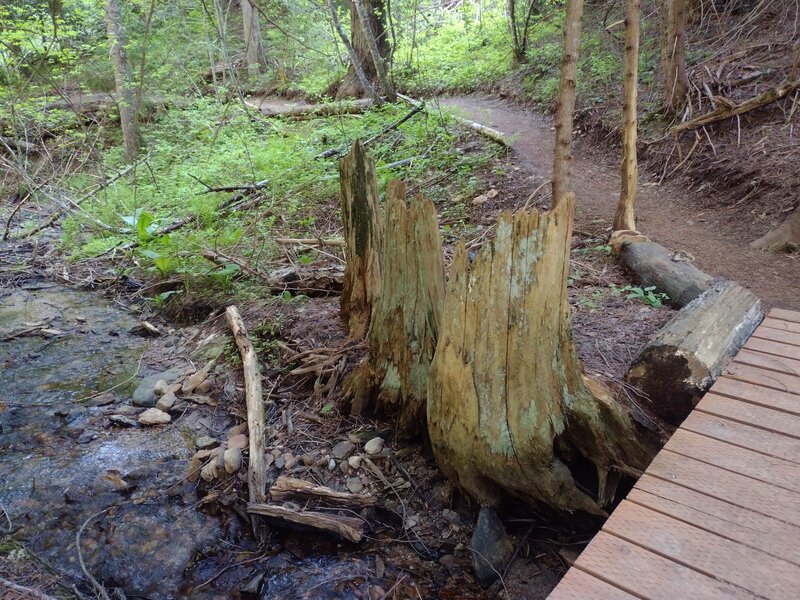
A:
350	529
286	488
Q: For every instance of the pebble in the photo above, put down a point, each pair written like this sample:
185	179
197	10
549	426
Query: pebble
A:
153	416
290	461
237	429
205	442
452	516
101	400
232	459
354	485
280	462
374	446
238	441
343	449
331	465
491	547
122	421
307	459
204	387
166	401
194	380
210	471
160	388
179	407
354	462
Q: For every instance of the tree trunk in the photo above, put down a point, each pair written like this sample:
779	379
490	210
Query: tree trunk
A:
673	53
562	158
509	409
351	87
406	318
686	356
362	235
123	78
629	170
254	54
374	51
784	238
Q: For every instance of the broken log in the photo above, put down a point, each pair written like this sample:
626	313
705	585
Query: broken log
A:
654	265
350	529
406	316
288	488
308	111
687	355
509	409
362	236
256	468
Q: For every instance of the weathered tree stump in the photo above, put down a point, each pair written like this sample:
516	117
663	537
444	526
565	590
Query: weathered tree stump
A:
406	317
362	235
509	409
687	355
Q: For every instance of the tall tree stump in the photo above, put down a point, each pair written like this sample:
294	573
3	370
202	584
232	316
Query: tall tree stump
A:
509	409
406	318
362	236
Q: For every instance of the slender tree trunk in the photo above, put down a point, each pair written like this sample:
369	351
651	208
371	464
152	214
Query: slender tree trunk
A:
512	22
355	62
375	52
351	87
624	218
562	157
123	78
673	53
254	54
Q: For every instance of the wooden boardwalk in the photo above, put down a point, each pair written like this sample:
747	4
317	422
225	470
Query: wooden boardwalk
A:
717	514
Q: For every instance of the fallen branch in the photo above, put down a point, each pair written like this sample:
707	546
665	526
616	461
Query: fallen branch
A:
727	109
286	488
98	587
18	145
346	528
309	242
25	591
315	110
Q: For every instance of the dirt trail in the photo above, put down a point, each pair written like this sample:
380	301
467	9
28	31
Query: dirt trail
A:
665	213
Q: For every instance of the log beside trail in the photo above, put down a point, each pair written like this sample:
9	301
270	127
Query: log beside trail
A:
654	265
406	316
509	410
687	355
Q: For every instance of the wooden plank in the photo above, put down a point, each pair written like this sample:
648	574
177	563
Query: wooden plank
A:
648	575
758	376
751	414
780	364
739	434
769	469
725	485
755	394
785	315
715	556
579	585
733	522
775	348
782	325
777	335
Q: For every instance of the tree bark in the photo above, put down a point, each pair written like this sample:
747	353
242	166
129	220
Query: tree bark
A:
375	52
123	78
629	169
687	355
351	87
673	53
362	235
562	156
406	317
509	409
254	53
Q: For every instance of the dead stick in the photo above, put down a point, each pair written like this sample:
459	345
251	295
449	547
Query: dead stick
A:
256	469
309	241
25	591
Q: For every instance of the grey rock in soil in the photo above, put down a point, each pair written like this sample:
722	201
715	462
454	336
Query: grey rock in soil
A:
101	400
491	547
153	416
343	449
122	421
205	442
166	402
374	446
354	485
232	459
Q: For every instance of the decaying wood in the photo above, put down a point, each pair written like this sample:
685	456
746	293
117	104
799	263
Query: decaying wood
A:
654	265
369	36
347	107
629	169
346	528
256	468
309	241
288	488
406	317
509	409
25	592
727	109
672	21
687	355
567	89
362	235
786	237
17	144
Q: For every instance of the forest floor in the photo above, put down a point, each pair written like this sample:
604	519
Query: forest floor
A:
716	238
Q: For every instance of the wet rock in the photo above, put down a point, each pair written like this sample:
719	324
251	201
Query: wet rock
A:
203	388
161	387
166	402
491	547
87	436
205	442
101	400
144	395
232	459
179	408
195	379
374	446
110	481
343	449
252	585
354	485
240	441
122	421
153	416
354	462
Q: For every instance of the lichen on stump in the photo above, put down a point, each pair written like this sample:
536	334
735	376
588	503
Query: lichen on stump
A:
362	236
509	409
406	316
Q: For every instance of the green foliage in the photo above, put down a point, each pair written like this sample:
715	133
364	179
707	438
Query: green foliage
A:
646	295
